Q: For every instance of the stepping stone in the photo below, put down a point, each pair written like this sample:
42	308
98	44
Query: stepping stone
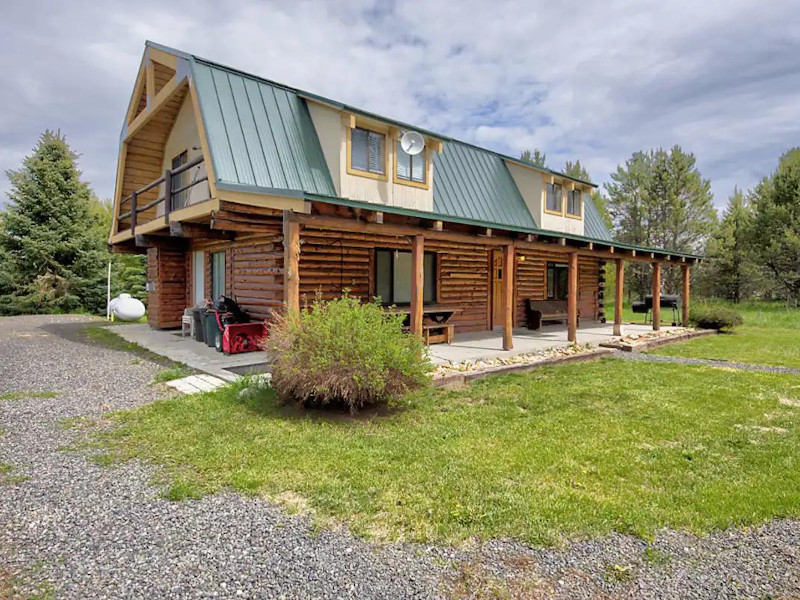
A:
196	383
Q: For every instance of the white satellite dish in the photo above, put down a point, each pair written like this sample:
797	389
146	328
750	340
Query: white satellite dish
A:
412	142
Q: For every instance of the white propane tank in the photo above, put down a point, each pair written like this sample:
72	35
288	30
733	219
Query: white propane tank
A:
126	308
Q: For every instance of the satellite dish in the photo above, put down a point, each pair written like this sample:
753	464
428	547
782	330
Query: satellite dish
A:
412	142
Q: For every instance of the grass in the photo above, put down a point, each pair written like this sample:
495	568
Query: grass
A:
564	452
770	336
176	372
27	395
7	475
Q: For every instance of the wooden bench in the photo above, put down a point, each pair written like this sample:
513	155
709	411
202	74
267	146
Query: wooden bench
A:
437	333
538	311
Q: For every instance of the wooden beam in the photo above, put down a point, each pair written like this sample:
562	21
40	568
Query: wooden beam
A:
656	296
508	296
618	296
685	295
437	226
171	87
417	283
150	82
291	263
572	298
194	231
157	241
379	217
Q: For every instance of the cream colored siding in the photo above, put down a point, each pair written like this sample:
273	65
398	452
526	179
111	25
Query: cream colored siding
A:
184	137
531	184
332	133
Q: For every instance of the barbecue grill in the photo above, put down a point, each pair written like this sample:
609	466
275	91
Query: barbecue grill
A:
667	301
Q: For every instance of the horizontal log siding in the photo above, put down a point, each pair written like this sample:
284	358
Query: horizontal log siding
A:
331	261
531	281
256	274
166	272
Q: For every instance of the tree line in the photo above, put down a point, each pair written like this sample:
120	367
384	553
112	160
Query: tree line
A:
659	199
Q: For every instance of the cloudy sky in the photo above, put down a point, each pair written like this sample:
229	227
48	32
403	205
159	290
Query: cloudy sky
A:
588	80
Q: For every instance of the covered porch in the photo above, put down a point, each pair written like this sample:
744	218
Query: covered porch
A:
487	345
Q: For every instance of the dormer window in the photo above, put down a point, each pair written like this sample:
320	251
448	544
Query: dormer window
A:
574	204
410	168
554	201
367	152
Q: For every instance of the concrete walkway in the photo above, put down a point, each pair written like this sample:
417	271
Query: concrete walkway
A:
188	351
486	345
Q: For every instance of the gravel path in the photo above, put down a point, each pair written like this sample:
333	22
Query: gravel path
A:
641	356
82	530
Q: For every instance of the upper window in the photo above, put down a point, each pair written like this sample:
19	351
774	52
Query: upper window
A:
179	181
557	281
554	199
367	151
393	277
410	168
574	203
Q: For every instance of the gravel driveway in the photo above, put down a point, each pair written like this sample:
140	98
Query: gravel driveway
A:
74	529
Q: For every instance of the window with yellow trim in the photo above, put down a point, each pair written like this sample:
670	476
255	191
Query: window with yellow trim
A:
574	203
554	200
410	168
367	151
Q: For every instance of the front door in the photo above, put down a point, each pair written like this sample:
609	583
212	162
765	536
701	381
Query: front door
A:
497	288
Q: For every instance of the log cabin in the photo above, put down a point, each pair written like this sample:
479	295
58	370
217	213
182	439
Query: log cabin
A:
233	184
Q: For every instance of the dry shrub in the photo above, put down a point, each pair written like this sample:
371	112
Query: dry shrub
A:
344	352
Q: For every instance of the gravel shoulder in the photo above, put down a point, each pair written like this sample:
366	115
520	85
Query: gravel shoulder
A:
81	530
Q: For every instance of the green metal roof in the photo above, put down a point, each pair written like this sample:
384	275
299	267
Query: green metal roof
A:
259	135
476	185
593	224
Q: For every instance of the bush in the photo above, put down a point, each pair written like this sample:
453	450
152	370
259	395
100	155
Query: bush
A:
715	317
344	352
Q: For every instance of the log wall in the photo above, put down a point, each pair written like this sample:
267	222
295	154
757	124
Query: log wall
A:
167	275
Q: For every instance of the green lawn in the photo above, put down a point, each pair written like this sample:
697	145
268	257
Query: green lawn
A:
563	452
770	336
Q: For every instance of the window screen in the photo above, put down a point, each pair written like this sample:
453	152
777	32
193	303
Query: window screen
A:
574	203
367	152
410	168
554	197
179	181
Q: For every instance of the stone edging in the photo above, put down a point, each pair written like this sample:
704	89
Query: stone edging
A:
637	346
461	377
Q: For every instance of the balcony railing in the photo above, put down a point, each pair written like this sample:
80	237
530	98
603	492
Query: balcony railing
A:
171	197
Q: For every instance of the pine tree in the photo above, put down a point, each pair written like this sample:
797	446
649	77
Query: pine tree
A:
48	234
732	273
537	158
578	171
776	225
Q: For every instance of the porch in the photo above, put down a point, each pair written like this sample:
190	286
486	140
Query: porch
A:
486	345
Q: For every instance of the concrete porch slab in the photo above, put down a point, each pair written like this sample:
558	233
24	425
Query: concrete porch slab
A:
196	355
486	345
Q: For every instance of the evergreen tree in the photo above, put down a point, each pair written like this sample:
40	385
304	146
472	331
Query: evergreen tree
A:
659	199
48	234
732	273
537	158
776	225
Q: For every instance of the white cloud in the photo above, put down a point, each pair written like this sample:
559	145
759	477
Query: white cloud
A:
577	79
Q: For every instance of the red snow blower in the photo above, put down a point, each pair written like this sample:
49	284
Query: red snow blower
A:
235	333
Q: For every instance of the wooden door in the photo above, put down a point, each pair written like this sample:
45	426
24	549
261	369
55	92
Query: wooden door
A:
497	288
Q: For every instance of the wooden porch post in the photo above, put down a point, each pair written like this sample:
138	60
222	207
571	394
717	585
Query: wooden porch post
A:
509	260
618	295
291	262
685	296
572	298
656	296
417	283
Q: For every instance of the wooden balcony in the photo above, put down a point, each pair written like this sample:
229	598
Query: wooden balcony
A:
151	207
